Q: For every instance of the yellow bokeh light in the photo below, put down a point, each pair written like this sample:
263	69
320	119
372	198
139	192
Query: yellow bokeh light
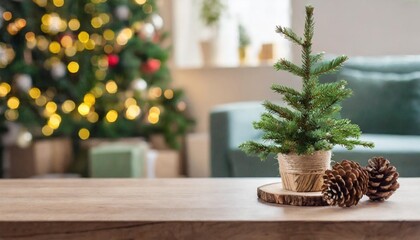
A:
111	87
90	45
132	112
66	41
54	47
83	109
100	74
147	8
169	94
34	93
41	101
7	16
104	17
74	24
83	37
45	19
30	36
54	121
108	49
11	114
155	92
4	89
20	22
96	22
153	118
130	101
58	3
103	63
124	36
89	99
92	117
109	35
84	133
80	46
140	2
70	52
154	110
73	67
51	107
13	103
42	43
98	90
41	3
47	130
98	39
111	116
68	106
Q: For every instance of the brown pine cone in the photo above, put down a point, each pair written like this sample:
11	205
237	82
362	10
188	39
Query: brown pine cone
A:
382	179
345	184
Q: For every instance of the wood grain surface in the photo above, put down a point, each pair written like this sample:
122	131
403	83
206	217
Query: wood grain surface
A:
274	193
191	209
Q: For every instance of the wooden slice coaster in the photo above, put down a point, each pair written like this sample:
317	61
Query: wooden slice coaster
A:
274	193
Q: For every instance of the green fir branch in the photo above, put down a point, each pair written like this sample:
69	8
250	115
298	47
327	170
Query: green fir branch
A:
286	65
289	34
257	149
317	57
282	112
284	90
330	66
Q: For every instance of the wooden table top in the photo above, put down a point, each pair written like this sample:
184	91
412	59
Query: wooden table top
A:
166	200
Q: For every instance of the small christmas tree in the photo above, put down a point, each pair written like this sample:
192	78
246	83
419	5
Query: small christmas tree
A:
86	69
311	121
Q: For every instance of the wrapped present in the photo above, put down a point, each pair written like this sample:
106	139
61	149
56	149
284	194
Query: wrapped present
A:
163	164
117	160
41	157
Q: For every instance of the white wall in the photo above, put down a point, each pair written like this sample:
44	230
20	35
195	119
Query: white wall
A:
208	87
362	27
357	27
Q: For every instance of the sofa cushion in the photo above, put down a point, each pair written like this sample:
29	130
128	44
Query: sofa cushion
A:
385	103
403	151
384	64
243	165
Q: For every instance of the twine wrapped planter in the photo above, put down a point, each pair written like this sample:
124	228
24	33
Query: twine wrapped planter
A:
303	173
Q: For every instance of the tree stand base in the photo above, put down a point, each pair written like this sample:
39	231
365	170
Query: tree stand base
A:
274	193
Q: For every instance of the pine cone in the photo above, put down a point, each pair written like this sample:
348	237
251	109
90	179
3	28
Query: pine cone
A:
382	179
345	184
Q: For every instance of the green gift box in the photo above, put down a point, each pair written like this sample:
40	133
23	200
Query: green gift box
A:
117	160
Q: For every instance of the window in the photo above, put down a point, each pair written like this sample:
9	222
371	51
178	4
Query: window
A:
258	18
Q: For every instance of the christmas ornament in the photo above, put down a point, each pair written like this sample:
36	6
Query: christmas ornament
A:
138	84
146	31
150	66
345	184
157	21
23	82
122	12
58	70
113	60
24	139
7	54
53	23
382	179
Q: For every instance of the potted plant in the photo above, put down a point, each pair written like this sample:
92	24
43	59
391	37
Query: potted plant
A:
210	14
244	42
303	134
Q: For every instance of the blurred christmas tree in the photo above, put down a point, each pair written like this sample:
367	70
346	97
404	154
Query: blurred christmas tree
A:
88	68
